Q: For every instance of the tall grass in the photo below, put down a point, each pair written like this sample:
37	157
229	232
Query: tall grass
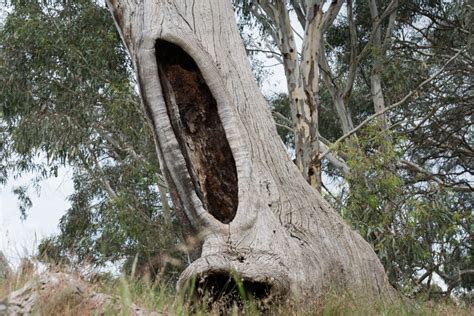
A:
160	296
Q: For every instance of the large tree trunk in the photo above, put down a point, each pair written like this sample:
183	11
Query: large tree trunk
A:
225	164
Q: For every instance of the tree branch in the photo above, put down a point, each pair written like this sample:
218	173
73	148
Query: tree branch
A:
335	160
388	108
285	127
389	30
390	8
331	14
300	11
282	117
353	57
435	178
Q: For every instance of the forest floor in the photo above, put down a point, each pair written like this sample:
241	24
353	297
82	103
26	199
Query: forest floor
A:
139	297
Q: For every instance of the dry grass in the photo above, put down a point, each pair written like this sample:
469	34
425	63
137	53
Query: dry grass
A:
160	297
17	279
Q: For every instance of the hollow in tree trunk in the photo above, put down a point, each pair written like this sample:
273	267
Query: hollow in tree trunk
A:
230	176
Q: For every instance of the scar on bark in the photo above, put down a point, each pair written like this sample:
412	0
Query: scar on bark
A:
195	121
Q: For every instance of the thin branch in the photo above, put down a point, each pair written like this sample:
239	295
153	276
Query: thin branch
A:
388	108
437	179
426	118
102	178
297	34
299	10
390	8
277	56
328	76
353	57
282	117
331	14
285	127
272	65
264	51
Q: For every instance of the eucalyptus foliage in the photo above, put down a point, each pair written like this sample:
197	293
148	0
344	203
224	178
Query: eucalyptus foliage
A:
69	100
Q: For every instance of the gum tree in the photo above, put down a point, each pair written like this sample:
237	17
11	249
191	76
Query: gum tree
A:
231	179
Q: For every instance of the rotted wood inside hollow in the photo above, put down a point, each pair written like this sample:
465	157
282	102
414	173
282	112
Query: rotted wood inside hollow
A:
195	121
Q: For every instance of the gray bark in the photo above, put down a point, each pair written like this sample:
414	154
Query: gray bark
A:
381	44
267	224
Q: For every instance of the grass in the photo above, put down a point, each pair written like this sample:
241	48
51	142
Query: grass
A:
160	296
15	281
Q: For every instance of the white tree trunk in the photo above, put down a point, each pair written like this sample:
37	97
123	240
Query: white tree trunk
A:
225	163
302	79
380	46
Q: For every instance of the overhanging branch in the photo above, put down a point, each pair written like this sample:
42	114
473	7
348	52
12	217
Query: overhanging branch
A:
388	108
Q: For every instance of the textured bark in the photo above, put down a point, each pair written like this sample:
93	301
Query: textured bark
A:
280	236
51	289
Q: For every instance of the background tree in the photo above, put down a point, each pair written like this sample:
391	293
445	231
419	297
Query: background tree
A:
391	80
68	99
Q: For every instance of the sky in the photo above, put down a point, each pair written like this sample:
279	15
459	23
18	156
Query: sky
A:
20	238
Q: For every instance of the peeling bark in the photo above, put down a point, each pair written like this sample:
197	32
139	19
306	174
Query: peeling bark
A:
283	238
307	124
302	77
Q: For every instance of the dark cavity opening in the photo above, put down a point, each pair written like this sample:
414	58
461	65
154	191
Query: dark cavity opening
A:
195	121
222	291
